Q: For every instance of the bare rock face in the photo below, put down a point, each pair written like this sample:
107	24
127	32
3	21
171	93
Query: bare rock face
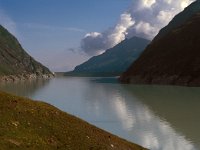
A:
173	58
14	61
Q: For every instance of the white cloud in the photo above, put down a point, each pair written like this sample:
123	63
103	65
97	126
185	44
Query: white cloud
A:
150	21
165	16
144	18
185	3
93	34
146	28
168	1
95	43
148	3
92	43
119	33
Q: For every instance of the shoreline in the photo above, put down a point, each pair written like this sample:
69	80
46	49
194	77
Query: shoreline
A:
23	77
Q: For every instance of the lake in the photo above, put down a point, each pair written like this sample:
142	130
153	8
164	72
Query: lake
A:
156	117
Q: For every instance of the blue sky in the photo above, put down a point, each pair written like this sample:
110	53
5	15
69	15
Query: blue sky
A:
51	30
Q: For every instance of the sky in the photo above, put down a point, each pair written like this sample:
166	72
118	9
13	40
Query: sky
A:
64	33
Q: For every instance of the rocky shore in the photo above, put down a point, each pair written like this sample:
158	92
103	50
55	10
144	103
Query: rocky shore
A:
22	77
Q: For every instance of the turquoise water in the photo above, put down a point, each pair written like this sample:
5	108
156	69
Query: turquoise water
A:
156	117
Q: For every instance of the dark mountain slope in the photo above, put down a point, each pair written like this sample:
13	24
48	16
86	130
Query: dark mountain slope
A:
14	60
172	59
115	60
180	19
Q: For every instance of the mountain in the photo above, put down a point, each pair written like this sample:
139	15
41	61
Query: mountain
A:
180	19
115	60
14	61
172	58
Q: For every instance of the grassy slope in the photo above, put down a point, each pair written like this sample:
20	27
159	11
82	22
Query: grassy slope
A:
27	124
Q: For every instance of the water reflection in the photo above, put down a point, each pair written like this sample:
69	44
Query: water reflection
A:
177	105
24	88
139	120
159	118
128	120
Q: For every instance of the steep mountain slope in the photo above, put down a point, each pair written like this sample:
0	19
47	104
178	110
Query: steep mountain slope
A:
14	60
115	60
180	19
171	59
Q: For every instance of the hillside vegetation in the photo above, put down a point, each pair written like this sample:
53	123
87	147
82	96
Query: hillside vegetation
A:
27	124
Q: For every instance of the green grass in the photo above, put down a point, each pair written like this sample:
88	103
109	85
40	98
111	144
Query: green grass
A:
27	124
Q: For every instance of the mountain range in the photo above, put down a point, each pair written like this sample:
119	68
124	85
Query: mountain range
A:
173	56
15	62
113	61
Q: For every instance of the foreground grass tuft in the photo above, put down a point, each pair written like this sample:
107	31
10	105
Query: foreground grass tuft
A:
27	124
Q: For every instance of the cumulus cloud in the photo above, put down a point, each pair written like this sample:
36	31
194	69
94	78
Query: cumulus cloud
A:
95	43
151	16
144	18
148	3
164	16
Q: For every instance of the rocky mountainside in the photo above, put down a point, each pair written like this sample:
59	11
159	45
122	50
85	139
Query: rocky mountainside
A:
115	60
14	60
171	59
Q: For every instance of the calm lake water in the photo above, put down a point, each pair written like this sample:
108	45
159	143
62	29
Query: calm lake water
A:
156	117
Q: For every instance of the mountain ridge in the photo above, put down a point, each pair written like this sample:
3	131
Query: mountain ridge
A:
179	19
114	60
171	59
15	62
